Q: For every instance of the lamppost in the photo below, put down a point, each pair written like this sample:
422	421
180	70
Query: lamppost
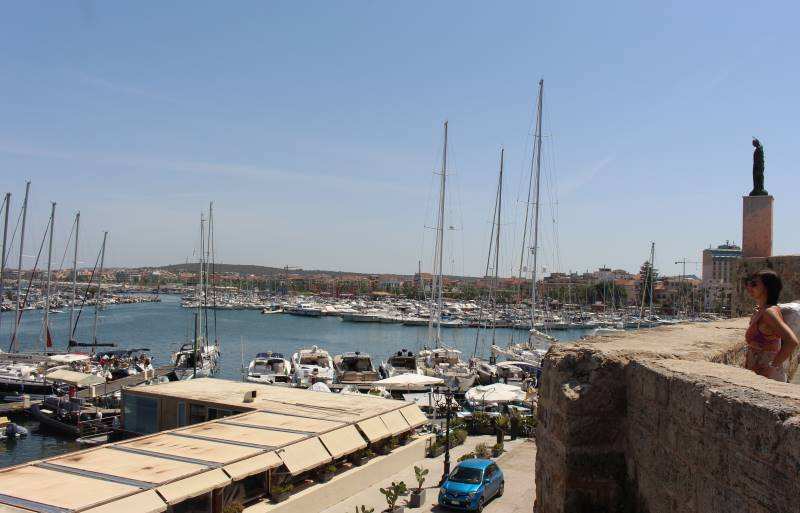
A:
448	404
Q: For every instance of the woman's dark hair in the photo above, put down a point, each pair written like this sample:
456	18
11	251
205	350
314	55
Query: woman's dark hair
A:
772	282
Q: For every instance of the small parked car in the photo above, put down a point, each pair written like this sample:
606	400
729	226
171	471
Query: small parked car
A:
471	485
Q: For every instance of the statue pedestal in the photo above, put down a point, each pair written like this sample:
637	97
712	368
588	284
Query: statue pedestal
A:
757	226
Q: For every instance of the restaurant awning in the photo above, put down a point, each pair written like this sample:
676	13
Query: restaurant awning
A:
343	441
304	455
395	422
414	416
374	429
254	465
145	502
194	486
78	379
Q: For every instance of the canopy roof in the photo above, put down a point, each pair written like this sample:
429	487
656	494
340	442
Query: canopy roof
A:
409	381
298	429
496	393
78	379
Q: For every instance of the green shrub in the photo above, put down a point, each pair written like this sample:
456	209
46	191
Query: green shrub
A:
393	492
482	451
467	456
419	474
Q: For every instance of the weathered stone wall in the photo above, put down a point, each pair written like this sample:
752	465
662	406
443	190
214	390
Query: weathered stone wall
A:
655	421
787	267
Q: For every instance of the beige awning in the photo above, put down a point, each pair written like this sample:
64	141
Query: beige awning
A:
395	422
194	486
304	455
374	429
254	465
78	379
145	502
343	441
414	416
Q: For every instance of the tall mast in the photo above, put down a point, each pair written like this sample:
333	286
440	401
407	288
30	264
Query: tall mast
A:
534	248
652	276
201	282
440	242
497	247
98	295
46	318
74	276
15	342
7	203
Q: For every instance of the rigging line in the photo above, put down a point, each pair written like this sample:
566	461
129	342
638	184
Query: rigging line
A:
30	285
14	235
66	247
86	294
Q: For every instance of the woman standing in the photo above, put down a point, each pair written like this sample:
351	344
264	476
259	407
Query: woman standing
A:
770	341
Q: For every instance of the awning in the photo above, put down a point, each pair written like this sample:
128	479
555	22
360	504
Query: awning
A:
254	465
194	486
145	502
304	455
78	379
374	429
343	441
395	422
414	416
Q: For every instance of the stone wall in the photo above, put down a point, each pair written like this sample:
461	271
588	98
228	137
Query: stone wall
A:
787	267
664	421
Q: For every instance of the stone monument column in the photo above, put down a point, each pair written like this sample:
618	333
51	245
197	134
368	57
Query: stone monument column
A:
757	212
757	226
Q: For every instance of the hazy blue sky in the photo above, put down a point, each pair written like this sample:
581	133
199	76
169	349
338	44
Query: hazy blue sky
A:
315	126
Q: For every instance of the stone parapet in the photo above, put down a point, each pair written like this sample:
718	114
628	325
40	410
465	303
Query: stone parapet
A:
665	420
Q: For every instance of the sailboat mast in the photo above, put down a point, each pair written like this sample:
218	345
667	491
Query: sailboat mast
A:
46	318
18	313
652	276
440	241
534	248
7	203
98	296
74	276
201	282
497	247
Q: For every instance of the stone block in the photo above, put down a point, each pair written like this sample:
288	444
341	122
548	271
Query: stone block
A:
757	226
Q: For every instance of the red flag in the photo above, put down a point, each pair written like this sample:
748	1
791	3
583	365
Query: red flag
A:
49	338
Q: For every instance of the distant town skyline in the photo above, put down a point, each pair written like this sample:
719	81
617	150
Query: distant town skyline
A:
316	129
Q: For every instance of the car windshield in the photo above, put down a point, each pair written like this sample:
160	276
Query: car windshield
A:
466	475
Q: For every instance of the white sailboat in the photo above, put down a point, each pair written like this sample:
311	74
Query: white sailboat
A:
441	361
526	351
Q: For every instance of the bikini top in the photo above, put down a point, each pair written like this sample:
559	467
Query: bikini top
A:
756	339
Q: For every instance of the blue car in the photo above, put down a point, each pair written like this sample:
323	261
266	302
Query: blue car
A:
471	485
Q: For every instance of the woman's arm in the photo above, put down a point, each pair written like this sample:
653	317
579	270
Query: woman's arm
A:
789	342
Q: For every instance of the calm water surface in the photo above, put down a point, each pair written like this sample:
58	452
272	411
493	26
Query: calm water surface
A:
164	326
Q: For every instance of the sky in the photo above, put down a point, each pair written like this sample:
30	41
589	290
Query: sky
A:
316	128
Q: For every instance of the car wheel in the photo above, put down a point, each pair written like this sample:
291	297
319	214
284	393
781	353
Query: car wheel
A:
479	507
501	489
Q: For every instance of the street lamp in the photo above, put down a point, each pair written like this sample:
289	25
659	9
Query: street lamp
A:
448	402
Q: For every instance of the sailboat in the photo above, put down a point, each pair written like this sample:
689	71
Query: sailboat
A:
441	361
199	358
528	351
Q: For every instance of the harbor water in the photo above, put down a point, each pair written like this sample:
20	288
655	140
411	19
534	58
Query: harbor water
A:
163	327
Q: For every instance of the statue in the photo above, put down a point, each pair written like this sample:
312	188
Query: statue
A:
758	170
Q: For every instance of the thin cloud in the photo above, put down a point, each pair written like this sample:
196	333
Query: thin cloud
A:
588	174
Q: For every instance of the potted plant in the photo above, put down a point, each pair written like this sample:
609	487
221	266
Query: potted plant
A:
404	439
326	473
460	436
363	509
501	426
392	493
497	450
436	449
515	422
417	498
233	507
280	493
467	456
481	451
361	456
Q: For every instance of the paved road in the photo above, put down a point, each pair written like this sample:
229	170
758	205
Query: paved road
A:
517	466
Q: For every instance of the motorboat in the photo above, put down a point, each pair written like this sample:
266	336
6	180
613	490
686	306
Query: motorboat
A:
10	430
68	415
402	362
24	377
303	310
269	367
446	363
312	365
354	368
124	362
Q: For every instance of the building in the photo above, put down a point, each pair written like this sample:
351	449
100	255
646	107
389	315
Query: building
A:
718	273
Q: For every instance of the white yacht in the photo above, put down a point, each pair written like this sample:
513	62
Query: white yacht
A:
402	362
312	365
354	368
190	362
446	363
269	367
